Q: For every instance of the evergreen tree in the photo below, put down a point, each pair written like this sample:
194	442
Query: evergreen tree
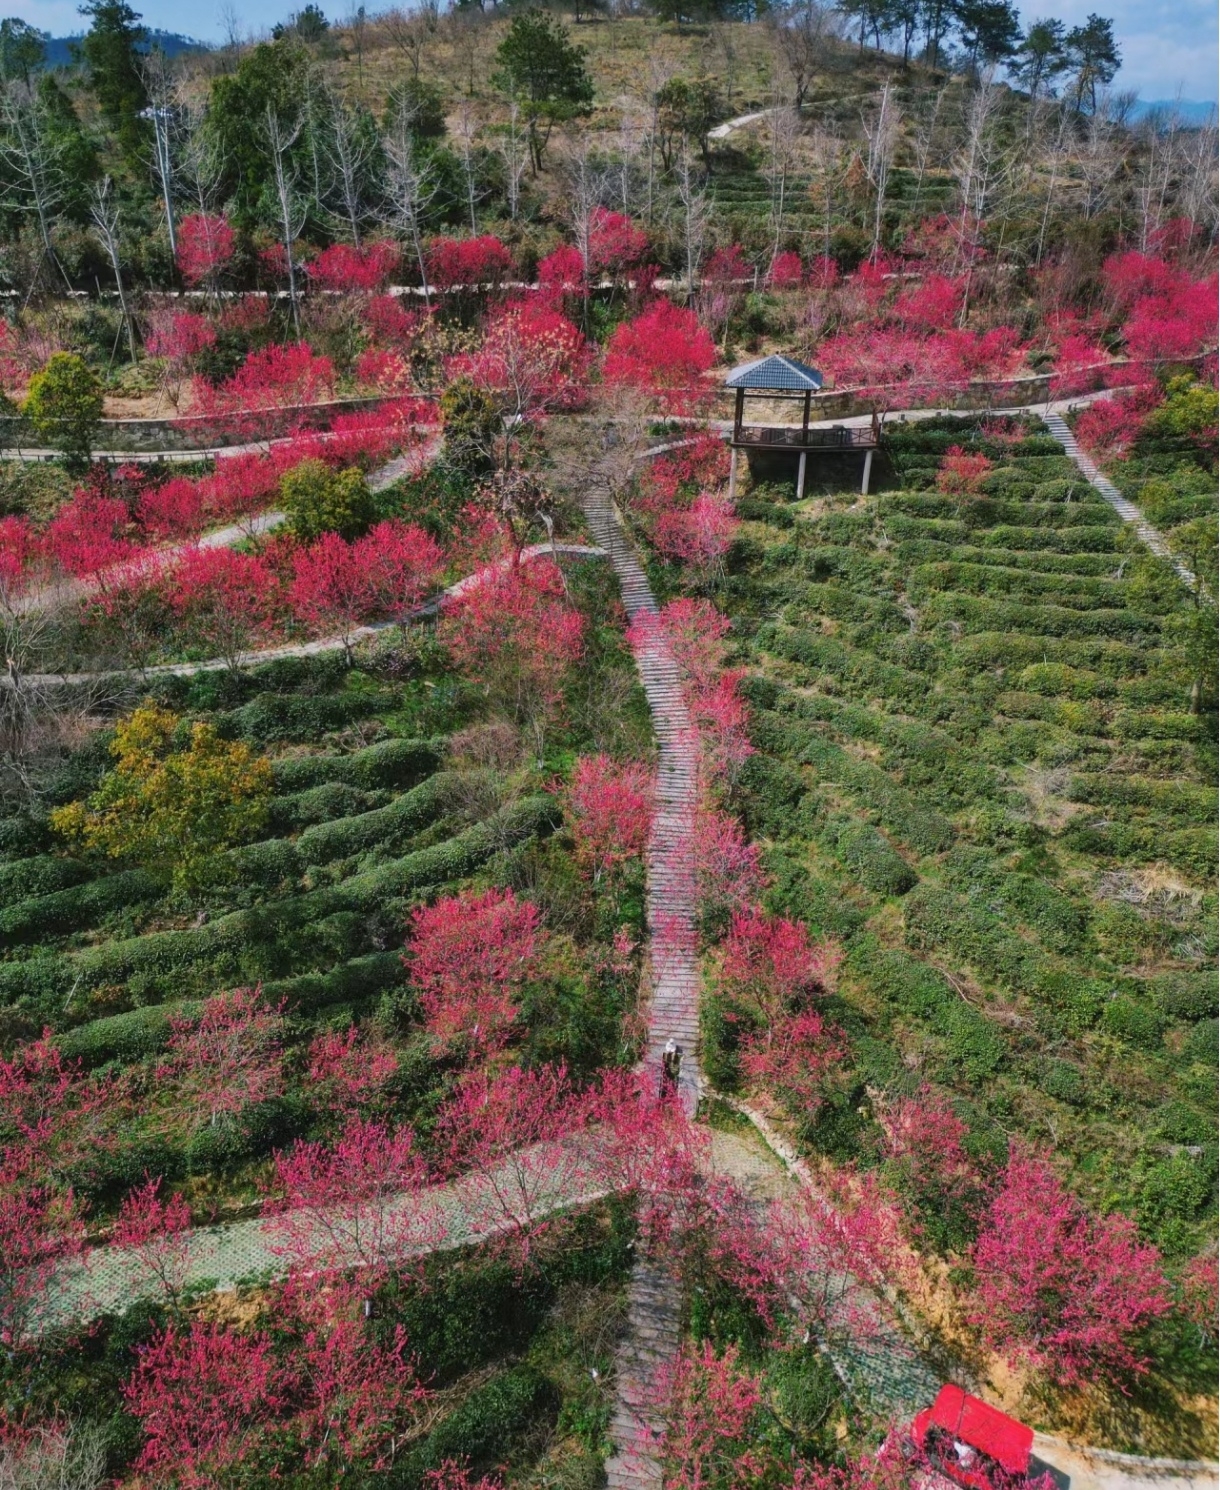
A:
1093	53
991	30
546	73
1042	56
23	48
111	50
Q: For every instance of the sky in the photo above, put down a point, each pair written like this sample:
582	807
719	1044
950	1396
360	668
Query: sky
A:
1169	47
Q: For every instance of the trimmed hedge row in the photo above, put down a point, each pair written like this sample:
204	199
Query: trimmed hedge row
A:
78	906
141	1032
925	830
937	917
232	944
1038	620
1112	659
871	858
1083	592
827	654
41	875
1175	798
1056	918
991	512
1192	850
276	718
387	763
1011	536
913	551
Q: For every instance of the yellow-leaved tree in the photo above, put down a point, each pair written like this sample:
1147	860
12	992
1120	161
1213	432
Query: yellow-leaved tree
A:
171	810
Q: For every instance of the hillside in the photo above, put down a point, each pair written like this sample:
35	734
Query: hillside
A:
538	951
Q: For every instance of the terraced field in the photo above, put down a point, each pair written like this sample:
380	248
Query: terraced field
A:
978	768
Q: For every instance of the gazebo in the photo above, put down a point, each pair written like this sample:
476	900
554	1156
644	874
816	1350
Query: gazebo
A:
784	378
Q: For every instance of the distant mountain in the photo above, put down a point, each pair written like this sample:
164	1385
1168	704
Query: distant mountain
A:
1190	111
59	48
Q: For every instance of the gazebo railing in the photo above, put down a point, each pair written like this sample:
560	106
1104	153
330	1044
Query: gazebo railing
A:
793	437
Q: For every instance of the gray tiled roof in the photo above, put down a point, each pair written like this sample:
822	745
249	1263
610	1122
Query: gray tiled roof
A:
776	372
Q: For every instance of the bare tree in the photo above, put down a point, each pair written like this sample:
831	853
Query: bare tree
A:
804	34
160	111
1057	146
587	185
58	1456
412	185
785	125
349	149
34	155
514	152
410	32
464	133
694	212
980	169
104	211
881	130
281	136
1098	157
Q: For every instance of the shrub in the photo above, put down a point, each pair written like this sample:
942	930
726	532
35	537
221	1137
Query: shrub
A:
64	406
318	500
1132	1022
173	810
1201	1044
873	861
1190	996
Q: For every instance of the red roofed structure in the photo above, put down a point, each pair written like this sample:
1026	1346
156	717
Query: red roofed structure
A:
971	1443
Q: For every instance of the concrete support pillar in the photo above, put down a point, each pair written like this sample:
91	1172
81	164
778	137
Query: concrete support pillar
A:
868	468
733	475
800	476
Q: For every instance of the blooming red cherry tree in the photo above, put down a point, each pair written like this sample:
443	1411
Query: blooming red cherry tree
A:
203	1395
338	586
205	245
357	1203
609	807
153	1229
1063	1289
226	1057
224	598
515	633
469	956
665	351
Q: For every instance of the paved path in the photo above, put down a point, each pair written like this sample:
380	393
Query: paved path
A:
723	131
655	1306
1128	511
324	644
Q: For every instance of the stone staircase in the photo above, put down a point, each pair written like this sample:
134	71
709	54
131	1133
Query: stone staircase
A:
654	1304
1128	511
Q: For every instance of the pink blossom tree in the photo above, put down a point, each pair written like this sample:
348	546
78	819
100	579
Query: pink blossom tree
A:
665	351
360	1202
204	1395
222	597
709	1406
517	635
349	1070
154	1230
514	1136
205	246
609	806
226	1057
469	955
1063	1289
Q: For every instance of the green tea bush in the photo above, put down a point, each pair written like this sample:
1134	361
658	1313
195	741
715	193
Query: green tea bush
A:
1133	1022
872	859
77	906
1190	996
42	874
387	763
